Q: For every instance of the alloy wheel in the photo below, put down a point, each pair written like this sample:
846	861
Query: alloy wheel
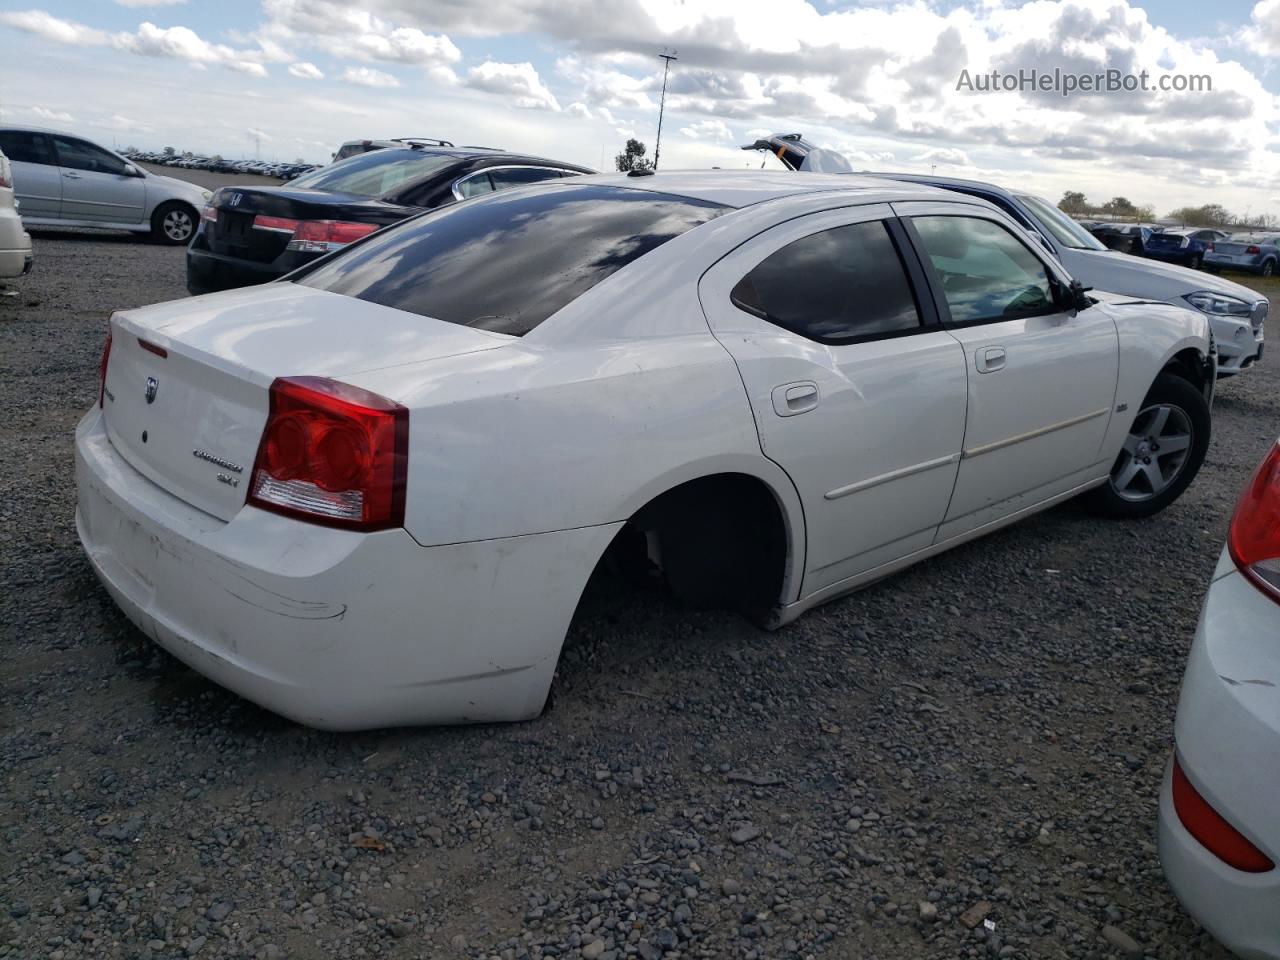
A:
1154	452
178	225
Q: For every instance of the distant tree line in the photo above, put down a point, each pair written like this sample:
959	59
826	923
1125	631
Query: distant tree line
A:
1075	203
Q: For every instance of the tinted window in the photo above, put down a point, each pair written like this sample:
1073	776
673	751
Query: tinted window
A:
79	155
519	176
475	185
1061	227
26	147
837	285
986	272
508	261
373	174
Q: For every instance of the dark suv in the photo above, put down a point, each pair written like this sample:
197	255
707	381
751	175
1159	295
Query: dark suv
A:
250	235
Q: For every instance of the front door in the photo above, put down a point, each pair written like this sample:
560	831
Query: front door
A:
858	393
1042	375
37	181
95	185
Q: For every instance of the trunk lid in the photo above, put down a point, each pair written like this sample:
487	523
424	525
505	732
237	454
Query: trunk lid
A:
234	233
1234	248
190	420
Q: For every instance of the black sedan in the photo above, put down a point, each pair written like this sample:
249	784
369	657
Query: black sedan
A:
250	235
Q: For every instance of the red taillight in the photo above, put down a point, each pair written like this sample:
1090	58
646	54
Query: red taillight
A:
209	214
1254	537
334	454
102	367
1210	246
321	236
6	178
275	224
155	348
1252	249
1213	832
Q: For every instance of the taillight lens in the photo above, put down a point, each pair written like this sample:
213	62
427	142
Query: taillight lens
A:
1210	246
1252	249
209	214
334	454
1254	537
102	367
1213	832
275	224
321	236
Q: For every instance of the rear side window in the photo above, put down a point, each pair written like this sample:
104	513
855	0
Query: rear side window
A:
520	176
25	147
79	155
375	173
507	261
987	274
843	284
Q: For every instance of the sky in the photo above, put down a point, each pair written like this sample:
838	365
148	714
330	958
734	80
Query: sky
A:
878	80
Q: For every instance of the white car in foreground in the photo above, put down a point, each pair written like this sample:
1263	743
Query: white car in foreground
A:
373	493
15	243
1219	826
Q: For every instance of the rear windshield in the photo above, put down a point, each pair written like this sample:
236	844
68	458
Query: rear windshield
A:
507	261
376	173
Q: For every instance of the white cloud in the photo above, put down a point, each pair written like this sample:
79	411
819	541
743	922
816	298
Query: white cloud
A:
123	124
368	77
578	110
518	82
442	75
1262	35
708	130
55	115
51	28
257	134
180	43
150	3
949	155
305	70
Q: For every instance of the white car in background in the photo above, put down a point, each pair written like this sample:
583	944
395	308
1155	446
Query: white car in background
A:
372	493
1220	803
63	180
15	243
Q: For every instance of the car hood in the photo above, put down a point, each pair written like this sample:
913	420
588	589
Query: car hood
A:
1131	276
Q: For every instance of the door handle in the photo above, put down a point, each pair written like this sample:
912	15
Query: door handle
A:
793	398
991	359
71	176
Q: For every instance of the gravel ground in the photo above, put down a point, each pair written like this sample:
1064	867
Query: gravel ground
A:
978	739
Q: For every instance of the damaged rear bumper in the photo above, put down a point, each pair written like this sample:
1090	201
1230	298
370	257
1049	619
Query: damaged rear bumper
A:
334	629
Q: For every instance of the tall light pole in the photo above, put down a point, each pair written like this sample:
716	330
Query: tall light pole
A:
662	103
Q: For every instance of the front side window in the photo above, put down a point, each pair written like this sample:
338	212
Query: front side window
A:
507	261
843	284
987	274
22	146
79	155
376	173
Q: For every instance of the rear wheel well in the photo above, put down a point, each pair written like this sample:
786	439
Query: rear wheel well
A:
717	541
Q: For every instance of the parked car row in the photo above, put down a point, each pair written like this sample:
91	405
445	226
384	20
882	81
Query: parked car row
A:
282	171
1193	247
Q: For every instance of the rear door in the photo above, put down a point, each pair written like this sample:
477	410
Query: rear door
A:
37	180
857	392
1041	377
95	185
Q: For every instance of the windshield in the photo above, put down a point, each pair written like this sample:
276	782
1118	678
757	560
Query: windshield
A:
1063	229
376	173
507	261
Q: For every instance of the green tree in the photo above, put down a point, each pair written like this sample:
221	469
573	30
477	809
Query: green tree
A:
1073	202
633	157
169	151
1119	207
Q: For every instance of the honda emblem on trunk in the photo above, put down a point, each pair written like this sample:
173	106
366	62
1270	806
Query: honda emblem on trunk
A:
234	200
152	387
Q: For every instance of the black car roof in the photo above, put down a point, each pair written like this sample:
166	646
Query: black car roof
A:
487	153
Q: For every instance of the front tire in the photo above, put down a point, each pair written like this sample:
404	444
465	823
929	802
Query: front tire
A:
1268	268
173	223
1195	261
1162	452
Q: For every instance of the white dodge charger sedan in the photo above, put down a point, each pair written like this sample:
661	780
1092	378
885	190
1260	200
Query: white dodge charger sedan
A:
372	493
1219	829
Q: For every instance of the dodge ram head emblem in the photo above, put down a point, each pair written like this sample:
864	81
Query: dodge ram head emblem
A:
152	387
